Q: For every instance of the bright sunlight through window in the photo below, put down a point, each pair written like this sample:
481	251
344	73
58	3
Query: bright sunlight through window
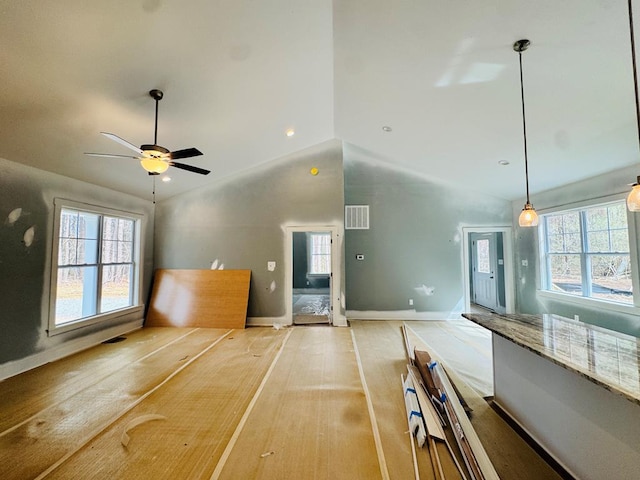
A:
586	253
96	264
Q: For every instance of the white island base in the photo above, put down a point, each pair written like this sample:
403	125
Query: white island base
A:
593	433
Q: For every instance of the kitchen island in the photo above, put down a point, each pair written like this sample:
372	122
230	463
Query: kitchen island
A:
574	387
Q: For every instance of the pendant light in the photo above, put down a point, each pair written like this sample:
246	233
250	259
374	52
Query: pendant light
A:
528	216
633	200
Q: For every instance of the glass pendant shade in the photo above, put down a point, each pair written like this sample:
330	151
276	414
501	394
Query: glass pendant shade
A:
633	200
528	216
154	165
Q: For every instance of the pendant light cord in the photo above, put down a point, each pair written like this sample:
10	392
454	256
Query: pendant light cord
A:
635	71
524	127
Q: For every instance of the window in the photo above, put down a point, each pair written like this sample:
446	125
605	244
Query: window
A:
319	253
97	268
586	253
483	256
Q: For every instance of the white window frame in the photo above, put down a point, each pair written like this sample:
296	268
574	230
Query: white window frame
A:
310	253
590	302
137	308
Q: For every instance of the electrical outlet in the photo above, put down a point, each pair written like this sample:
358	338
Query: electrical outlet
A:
576	318
525	263
411	301
271	266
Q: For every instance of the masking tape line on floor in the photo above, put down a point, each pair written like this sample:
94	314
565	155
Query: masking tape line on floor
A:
384	471
102	428
96	380
234	438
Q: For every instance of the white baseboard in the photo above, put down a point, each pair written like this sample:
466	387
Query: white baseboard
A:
65	349
400	315
338	321
266	321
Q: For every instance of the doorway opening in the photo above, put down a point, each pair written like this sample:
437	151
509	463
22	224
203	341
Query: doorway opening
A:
310	277
488	269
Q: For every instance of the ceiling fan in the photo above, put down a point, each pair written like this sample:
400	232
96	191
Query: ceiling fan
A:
154	158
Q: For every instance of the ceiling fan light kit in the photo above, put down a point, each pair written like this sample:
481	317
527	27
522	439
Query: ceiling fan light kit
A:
154	158
154	165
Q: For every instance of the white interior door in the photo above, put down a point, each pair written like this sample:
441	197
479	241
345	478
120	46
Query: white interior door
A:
484	270
505	277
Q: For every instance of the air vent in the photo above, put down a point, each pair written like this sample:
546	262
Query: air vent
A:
356	217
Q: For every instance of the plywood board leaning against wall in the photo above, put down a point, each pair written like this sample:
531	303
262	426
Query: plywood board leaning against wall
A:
199	298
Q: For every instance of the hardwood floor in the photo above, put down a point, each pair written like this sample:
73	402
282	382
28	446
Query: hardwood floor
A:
256	403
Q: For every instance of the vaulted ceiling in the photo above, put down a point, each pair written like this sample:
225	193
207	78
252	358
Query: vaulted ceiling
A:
237	74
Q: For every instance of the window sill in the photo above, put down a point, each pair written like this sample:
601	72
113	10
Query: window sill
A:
128	313
590	302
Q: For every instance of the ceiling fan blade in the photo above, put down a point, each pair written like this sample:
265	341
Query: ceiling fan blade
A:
190	168
110	155
186	153
122	141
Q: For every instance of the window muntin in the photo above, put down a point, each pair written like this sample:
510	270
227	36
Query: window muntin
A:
319	253
586	253
97	268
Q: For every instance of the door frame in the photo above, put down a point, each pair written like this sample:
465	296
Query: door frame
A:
507	255
335	280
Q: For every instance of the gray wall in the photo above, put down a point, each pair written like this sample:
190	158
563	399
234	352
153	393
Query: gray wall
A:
415	237
300	263
25	270
526	248
240	221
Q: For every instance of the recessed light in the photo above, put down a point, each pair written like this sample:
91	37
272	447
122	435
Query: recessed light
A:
290	132
503	162
387	128
166	179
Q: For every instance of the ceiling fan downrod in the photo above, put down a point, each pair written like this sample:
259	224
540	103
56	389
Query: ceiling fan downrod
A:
157	96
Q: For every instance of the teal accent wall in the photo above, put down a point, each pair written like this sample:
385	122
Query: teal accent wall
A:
25	270
526	247
412	250
240	222
414	240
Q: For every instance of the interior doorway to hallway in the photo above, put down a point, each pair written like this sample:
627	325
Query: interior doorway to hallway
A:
311	274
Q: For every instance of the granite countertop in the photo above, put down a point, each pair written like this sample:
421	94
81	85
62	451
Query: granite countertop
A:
607	358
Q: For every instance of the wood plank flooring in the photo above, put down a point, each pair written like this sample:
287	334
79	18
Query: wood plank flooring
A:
256	403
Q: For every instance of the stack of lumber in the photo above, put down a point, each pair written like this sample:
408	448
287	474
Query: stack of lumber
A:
438	420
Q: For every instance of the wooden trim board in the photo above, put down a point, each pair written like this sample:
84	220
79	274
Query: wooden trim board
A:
199	298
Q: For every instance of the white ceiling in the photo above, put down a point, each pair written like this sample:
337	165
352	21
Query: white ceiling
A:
237	74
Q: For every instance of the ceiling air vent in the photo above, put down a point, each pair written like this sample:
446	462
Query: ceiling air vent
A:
356	217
